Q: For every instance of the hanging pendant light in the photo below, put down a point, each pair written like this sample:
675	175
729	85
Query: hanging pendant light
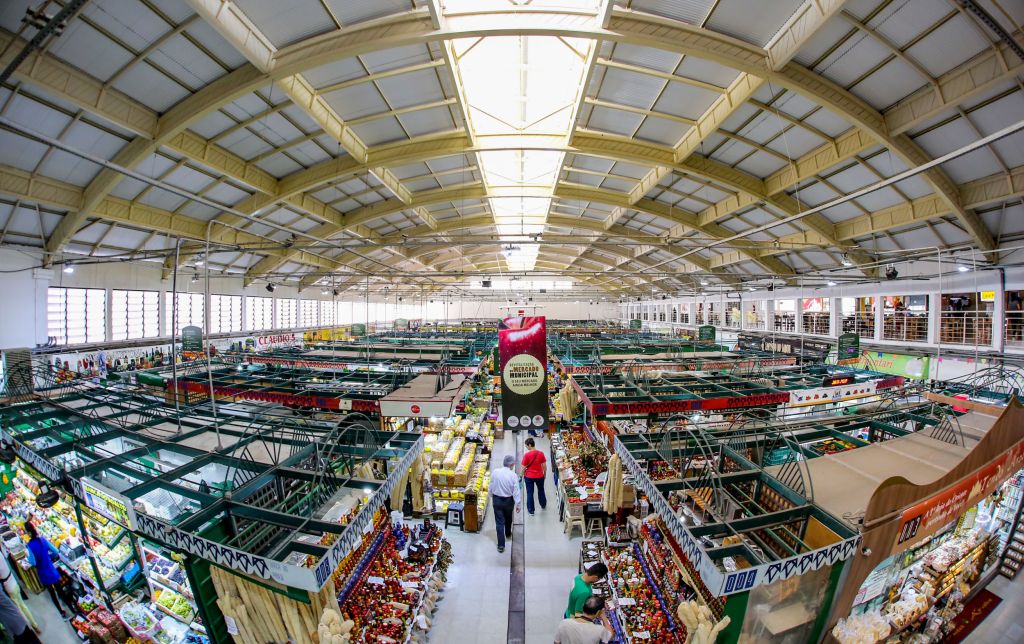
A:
47	497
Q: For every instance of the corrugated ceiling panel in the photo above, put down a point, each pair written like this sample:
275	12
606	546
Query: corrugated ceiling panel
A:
935	53
628	88
349	12
691	11
84	47
286	22
379	61
614	121
411	89
754	22
685	100
150	87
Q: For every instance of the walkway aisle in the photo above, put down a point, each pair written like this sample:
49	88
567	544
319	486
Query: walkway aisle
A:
475	605
552	561
1006	623
55	629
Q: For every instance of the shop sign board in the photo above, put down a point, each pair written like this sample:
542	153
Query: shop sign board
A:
913	367
636	324
706	333
926	517
192	339
719	582
358	330
789	346
849	348
417	408
271	341
116	507
401	323
522	349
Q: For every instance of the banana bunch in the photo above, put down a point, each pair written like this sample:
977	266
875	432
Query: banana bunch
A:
700	623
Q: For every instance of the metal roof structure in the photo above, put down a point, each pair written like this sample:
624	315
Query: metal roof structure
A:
245	486
751	493
642	394
624	145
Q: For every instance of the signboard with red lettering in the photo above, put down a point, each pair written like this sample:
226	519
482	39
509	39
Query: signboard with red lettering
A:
522	351
926	517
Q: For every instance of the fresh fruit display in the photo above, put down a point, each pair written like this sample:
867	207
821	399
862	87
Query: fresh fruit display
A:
175	603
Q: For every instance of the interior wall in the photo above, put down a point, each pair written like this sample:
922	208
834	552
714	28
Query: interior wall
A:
23	287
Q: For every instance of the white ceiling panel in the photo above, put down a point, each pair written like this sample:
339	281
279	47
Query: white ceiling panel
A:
754	22
187	62
286	22
614	121
212	124
935	53
338	71
691	11
659	59
411	89
890	84
388	59
204	33
685	100
901	22
279	165
661	131
355	102
628	88
349	12
150	87
760	164
707	71
89	50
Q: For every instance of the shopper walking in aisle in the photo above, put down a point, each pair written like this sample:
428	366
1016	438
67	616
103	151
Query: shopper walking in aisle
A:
582	587
581	629
505	498
39	556
14	591
14	622
534	471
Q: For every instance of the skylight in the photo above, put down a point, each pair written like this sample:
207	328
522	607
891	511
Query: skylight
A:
519	90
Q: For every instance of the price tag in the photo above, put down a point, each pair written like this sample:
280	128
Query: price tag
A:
232	627
376	581
625	601
641	635
368	528
411	584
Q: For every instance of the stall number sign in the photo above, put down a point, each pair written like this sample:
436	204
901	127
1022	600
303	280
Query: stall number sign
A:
837	381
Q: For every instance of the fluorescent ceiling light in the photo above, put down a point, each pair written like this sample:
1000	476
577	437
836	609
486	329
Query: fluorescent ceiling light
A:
68	268
962	269
831	283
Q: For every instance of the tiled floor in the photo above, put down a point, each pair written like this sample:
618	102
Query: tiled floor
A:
1006	623
475	608
55	629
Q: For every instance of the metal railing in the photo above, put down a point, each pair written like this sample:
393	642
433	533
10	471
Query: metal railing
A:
1013	328
907	327
862	325
965	327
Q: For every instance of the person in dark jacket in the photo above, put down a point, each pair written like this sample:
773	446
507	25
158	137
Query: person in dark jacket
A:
47	573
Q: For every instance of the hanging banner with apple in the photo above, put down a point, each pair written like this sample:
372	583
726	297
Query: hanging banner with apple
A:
522	349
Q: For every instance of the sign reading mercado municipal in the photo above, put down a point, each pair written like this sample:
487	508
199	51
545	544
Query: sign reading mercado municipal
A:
522	350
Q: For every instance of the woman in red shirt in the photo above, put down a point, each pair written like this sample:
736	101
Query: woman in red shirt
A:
534	471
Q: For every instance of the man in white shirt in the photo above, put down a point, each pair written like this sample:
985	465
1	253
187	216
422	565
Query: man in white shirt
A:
581	629
505	498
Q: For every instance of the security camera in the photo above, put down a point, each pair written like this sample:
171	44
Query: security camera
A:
891	273
865	551
270	288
